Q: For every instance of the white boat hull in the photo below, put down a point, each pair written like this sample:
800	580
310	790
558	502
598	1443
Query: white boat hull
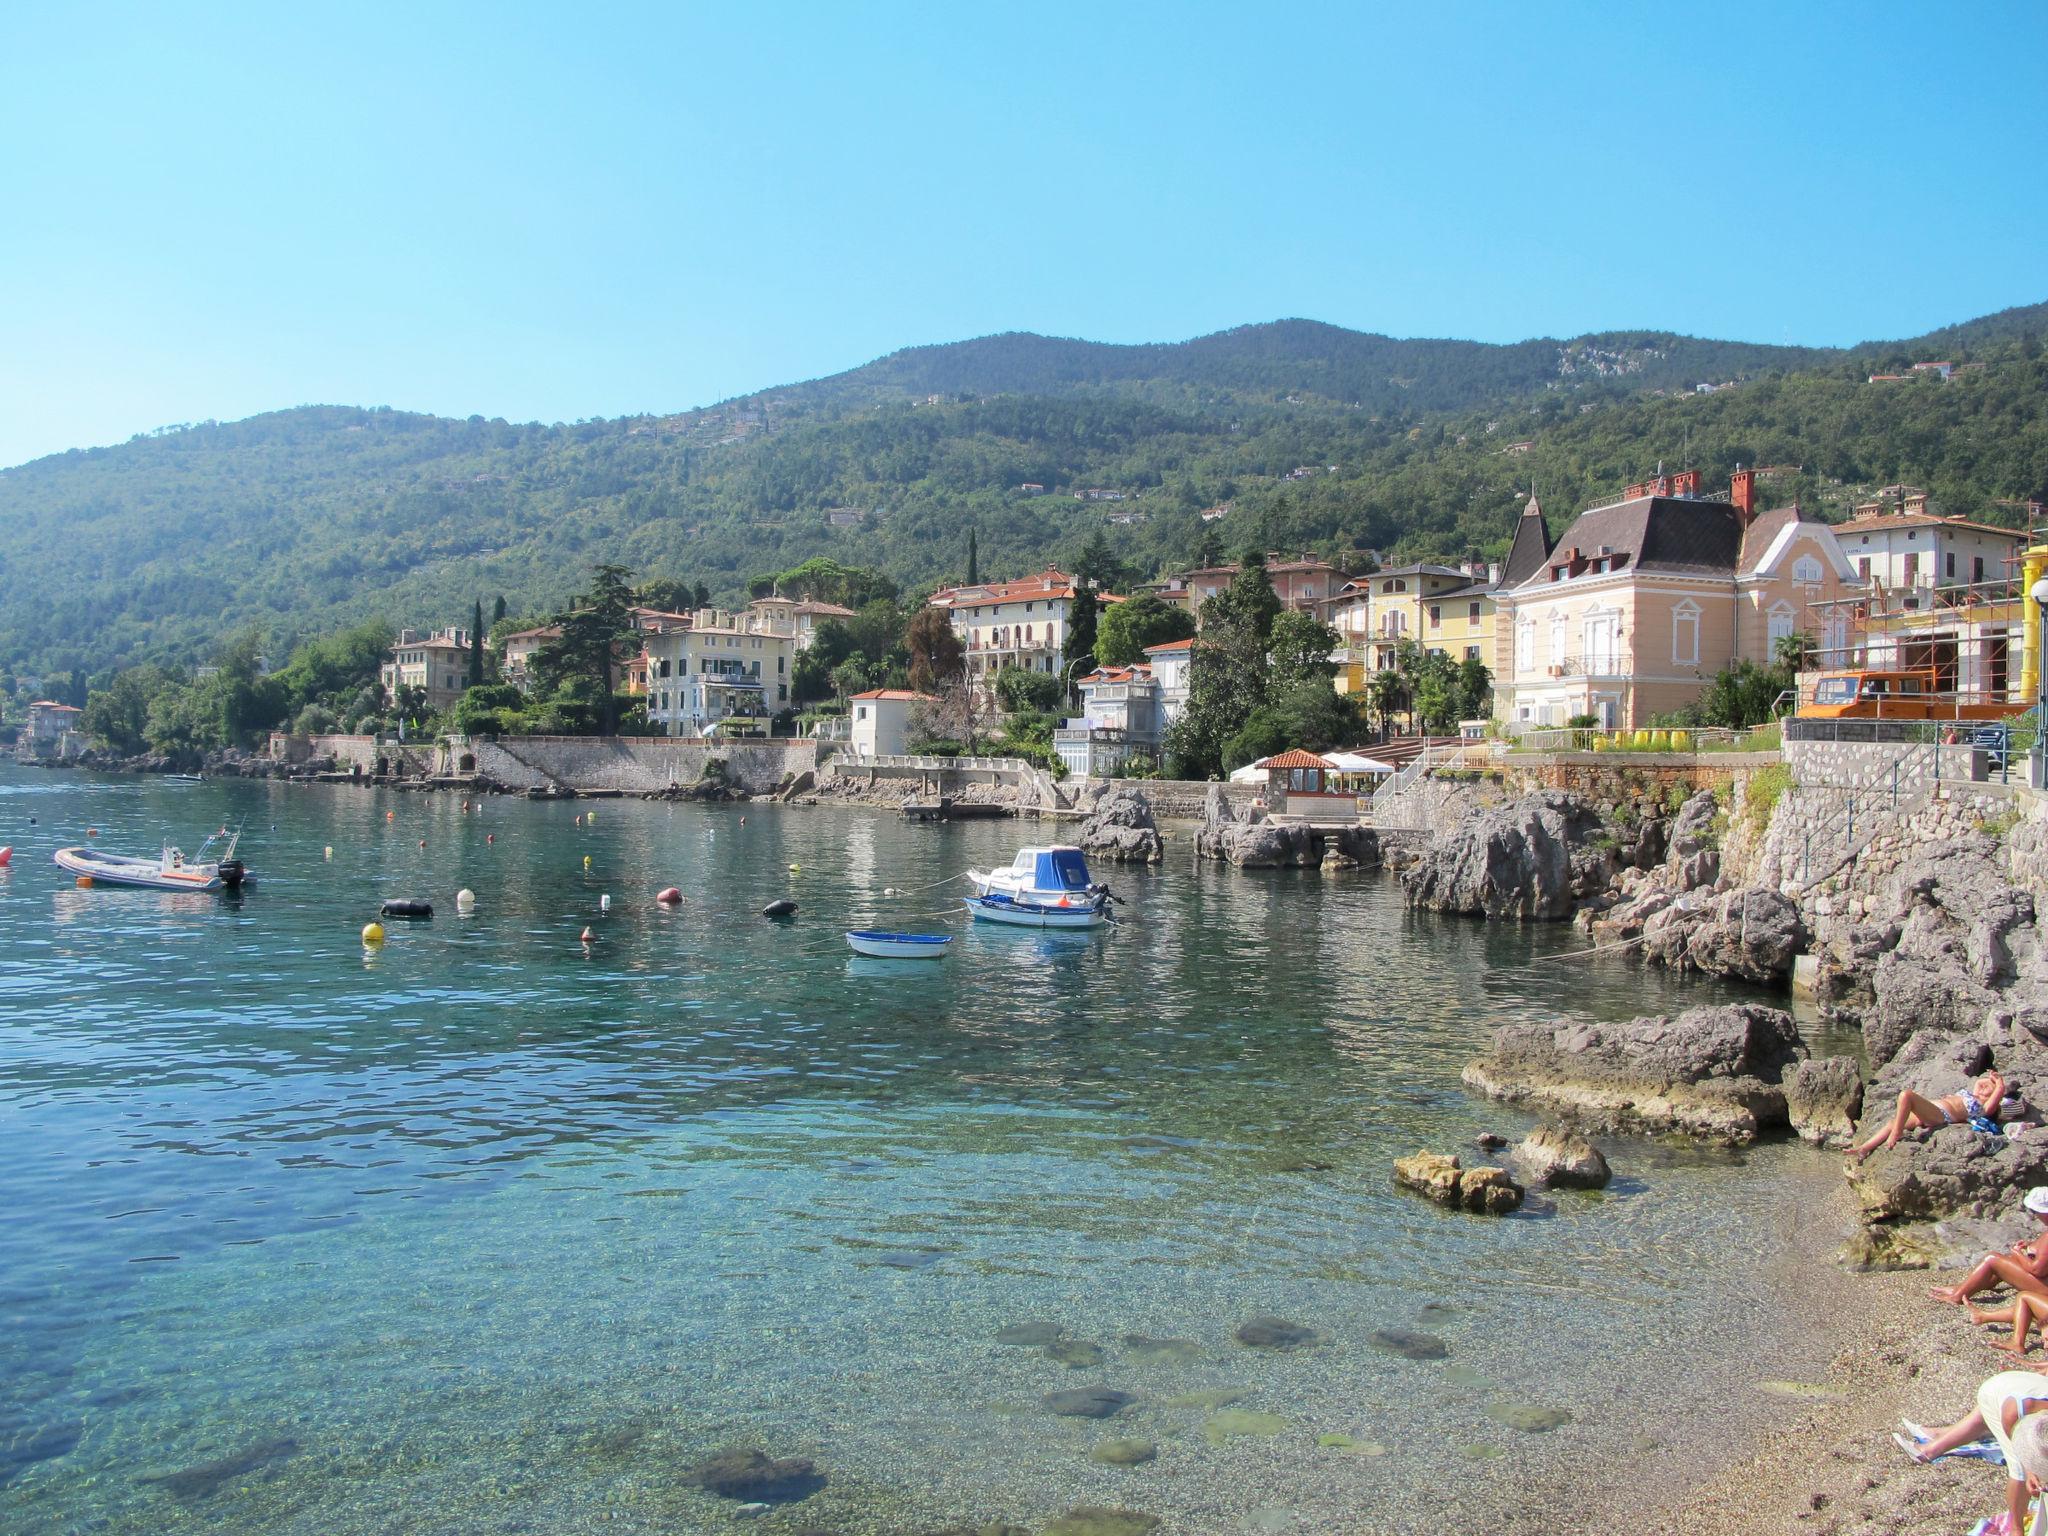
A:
1028	915
900	946
148	874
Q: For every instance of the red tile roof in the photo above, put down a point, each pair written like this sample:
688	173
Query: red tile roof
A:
1295	758
902	695
1171	645
1876	521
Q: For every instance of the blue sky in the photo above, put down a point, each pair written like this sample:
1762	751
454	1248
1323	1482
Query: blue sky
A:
545	212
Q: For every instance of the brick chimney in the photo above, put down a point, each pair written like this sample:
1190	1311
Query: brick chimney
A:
1742	492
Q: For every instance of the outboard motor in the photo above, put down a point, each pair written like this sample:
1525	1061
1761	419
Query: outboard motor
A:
232	874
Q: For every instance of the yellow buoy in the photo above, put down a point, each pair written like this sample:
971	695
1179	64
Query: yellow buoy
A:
590	818
586	861
85	882
373	933
796	869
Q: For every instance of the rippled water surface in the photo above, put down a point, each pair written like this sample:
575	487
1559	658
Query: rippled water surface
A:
486	1232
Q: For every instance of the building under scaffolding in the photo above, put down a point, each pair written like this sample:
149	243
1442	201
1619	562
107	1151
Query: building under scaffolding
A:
1979	640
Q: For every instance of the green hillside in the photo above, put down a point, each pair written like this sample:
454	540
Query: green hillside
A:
303	520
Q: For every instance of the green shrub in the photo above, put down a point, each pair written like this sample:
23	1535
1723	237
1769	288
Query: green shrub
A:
1761	795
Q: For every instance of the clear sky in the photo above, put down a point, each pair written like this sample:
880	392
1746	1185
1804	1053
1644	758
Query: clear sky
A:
553	212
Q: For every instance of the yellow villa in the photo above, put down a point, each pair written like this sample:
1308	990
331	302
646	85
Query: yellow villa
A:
1643	600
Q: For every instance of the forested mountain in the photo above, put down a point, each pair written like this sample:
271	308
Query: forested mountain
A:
1316	438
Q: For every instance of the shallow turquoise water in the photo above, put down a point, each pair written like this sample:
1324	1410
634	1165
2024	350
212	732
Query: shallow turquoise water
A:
484	1232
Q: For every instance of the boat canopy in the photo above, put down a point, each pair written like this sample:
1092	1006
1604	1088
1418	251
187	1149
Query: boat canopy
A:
1060	869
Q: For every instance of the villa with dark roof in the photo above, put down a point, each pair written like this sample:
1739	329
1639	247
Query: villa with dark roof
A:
1641	601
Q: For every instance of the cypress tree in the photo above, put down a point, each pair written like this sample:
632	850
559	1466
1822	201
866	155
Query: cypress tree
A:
973	560
476	646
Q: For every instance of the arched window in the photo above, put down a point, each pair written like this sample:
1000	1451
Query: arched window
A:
1779	623
1685	634
1806	571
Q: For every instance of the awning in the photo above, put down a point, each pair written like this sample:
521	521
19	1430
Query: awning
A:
1353	762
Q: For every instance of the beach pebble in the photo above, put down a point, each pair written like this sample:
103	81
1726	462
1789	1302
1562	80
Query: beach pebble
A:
1268	1332
1147	1348
1531	1418
1240	1423
1408	1344
1088	1402
1124	1453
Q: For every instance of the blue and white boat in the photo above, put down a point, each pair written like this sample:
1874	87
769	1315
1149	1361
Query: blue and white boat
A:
1058	874
898	946
1084	911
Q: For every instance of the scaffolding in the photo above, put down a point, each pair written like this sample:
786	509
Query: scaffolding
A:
1976	640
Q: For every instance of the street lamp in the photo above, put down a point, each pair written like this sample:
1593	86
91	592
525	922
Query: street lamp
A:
2039	756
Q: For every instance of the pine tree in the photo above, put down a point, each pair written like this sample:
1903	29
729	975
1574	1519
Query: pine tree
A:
498	608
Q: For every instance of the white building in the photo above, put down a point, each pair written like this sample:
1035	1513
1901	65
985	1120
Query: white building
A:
800	616
881	721
1120	719
1012	623
1914	547
1169	664
724	666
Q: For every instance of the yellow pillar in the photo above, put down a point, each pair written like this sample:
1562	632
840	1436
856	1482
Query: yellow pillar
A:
2033	565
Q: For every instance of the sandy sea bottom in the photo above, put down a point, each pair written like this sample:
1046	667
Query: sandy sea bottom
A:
484	1233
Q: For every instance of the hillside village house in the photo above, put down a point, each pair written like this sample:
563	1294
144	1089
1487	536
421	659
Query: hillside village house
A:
438	663
1644	599
717	667
800	616
47	722
879	721
1302	584
1012	623
515	654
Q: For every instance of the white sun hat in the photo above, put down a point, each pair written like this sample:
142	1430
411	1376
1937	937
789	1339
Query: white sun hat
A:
2037	1200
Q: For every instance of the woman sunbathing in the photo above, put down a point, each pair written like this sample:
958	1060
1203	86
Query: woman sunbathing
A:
1978	1106
2024	1266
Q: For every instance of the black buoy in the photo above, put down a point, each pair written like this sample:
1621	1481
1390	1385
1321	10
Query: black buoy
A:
783	908
406	909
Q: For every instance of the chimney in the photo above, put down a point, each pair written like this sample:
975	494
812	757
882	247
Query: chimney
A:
1742	491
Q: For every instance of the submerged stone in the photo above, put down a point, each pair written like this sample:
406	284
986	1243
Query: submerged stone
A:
753	1476
911	1258
190	1483
1031	1334
1088	1402
1096	1520
1236	1423
1147	1348
1465	1376
1800	1389
1531	1418
1124	1453
1408	1344
1074	1354
1335	1441
1208	1397
1268	1332
1481	1452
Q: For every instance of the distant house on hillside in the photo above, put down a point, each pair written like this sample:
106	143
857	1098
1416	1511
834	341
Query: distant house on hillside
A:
843	517
437	663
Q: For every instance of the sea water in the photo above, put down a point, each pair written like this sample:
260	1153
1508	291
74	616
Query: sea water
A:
490	1230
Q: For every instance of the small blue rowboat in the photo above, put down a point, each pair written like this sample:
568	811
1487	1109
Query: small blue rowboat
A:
899	946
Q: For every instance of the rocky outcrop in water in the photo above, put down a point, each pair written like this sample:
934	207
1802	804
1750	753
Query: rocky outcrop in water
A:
1823	1100
1555	1157
1119	826
1717	1073
1438	1176
1529	861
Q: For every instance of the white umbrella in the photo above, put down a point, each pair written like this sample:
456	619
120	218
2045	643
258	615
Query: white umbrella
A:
1250	773
1353	762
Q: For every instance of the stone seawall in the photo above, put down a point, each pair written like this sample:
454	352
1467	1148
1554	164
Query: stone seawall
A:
636	765
1184	799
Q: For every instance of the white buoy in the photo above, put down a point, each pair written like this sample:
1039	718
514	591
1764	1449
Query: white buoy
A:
327	852
604	903
888	890
465	900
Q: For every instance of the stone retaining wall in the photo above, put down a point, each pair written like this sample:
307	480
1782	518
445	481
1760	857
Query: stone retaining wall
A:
636	764
1889	765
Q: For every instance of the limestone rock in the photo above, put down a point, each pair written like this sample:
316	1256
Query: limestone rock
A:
1258	844
1694	857
1119	826
1438	1176
1528	861
1557	1157
1823	1100
1715	1072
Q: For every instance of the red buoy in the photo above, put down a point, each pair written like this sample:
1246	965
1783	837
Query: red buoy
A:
589	937
6	856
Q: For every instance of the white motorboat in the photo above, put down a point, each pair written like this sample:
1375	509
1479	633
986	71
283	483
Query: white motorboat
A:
170	870
1040	875
1083	911
898	946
